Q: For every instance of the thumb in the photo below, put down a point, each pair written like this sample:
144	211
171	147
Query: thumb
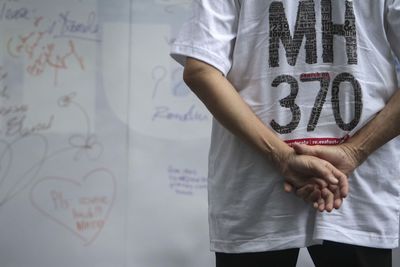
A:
302	149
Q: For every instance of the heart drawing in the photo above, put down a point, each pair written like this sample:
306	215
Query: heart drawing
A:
81	206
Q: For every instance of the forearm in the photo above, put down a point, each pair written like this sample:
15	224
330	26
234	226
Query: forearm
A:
227	106
380	130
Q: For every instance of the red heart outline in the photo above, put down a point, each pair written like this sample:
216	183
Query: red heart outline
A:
91	174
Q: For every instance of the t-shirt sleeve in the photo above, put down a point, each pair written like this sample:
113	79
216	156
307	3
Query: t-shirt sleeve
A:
393	22
209	35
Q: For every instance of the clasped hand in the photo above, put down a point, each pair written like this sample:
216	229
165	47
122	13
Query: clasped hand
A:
319	174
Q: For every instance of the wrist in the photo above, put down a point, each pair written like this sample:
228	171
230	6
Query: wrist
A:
282	157
355	153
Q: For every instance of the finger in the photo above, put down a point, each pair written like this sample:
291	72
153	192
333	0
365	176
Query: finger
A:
302	149
319	182
321	205
328	197
314	196
305	191
337	197
337	203
287	187
314	192
343	182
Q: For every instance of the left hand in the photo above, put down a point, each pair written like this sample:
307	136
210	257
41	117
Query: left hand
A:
343	158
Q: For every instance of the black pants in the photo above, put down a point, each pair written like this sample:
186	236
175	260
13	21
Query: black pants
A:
330	254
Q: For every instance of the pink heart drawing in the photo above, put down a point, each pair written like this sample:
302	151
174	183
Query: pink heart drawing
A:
80	206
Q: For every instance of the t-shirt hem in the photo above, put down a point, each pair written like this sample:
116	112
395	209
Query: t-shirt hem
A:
357	238
280	243
261	245
180	52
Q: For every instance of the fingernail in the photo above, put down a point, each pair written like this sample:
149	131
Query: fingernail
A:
334	179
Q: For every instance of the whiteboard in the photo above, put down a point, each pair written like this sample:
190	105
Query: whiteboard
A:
103	149
62	176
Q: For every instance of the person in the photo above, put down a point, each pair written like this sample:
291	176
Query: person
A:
305	99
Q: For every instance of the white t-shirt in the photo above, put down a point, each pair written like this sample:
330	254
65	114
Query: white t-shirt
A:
314	72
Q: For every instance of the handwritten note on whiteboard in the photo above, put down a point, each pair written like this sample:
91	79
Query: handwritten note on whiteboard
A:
61	173
48	52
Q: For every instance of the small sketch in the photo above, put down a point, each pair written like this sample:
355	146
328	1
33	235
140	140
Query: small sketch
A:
158	74
80	206
87	144
178	89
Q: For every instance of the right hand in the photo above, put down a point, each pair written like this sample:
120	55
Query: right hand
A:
309	173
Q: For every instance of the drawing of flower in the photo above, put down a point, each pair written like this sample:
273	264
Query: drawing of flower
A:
87	145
